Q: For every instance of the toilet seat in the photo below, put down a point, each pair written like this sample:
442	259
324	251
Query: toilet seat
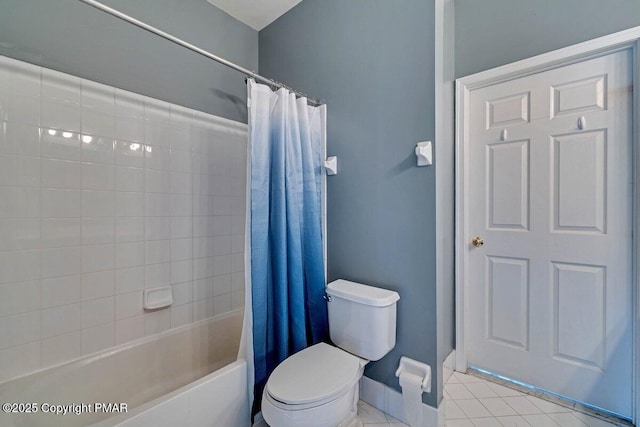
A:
313	377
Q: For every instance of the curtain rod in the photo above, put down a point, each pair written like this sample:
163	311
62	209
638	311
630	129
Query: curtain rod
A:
196	49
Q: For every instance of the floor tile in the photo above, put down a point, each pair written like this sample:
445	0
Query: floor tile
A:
474	402
393	421
481	390
453	411
485	422
522	406
498	407
466	379
460	423
473	408
503	391
459	391
370	415
453	379
540	420
546	406
591	421
513	421
567	419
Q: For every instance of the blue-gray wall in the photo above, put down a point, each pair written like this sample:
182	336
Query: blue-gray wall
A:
490	33
69	36
372	61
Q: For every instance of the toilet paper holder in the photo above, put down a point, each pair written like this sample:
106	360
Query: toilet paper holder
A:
417	368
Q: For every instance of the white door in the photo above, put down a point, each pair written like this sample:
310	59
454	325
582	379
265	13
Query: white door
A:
550	193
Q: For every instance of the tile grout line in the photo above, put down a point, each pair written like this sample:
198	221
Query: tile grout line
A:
573	407
40	221
115	210
543	413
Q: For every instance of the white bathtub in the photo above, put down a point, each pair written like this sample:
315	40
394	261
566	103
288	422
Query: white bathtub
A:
188	377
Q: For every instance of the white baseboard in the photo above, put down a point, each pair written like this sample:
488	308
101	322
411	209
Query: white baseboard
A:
450	361
442	414
448	366
390	401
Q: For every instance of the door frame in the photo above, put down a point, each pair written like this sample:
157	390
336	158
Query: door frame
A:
627	39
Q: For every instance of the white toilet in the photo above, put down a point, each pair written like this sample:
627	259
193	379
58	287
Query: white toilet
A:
318	386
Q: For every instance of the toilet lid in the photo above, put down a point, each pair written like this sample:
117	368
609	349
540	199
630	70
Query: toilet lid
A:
315	374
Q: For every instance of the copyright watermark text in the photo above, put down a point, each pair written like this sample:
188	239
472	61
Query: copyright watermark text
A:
64	408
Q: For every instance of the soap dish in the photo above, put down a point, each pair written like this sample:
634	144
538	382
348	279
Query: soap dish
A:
158	298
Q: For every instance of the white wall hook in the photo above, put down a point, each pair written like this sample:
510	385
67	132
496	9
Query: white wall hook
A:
582	123
424	153
504	135
331	165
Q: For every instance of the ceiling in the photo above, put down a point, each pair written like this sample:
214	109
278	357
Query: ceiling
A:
255	13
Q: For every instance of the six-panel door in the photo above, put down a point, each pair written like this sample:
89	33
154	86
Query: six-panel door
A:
550	190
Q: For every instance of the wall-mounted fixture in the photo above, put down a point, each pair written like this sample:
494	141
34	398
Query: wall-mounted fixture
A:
415	379
157	298
424	153
582	123
331	165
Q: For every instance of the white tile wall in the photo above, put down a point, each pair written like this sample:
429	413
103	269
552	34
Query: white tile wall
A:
105	193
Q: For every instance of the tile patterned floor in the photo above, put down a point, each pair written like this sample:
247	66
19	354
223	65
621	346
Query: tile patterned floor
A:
474	402
373	417
369	415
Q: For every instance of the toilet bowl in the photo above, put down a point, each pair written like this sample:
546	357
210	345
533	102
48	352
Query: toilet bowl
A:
319	386
316	387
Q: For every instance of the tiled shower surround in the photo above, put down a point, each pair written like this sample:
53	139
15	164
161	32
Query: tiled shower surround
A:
105	193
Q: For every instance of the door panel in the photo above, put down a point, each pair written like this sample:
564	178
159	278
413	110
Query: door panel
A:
508	185
579	314
580	96
507	302
550	190
579	182
509	110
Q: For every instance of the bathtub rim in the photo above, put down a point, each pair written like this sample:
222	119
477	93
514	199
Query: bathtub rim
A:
101	354
117	419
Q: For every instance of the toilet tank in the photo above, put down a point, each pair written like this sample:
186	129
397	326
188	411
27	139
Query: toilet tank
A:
362	318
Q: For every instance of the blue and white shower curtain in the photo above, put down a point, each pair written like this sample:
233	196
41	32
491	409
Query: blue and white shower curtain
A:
286	275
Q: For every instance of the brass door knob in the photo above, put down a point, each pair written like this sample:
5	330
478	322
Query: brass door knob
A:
477	241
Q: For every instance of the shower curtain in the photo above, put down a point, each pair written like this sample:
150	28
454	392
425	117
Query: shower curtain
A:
286	278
